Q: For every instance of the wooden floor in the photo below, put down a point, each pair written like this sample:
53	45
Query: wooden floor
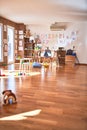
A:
56	99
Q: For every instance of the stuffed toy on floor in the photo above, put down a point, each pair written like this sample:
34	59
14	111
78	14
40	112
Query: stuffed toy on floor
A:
9	97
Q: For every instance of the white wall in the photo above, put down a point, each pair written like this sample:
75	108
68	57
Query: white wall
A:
80	42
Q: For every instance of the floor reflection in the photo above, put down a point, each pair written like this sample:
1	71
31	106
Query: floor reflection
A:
11	83
11	67
2	88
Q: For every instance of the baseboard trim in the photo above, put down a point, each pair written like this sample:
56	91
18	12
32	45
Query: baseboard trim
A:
81	64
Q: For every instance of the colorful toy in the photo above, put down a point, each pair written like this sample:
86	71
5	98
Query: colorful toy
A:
9	97
36	65
46	65
1	73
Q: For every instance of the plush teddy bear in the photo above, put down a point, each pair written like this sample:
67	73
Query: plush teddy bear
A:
9	97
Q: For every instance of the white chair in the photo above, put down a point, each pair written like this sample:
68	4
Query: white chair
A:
24	64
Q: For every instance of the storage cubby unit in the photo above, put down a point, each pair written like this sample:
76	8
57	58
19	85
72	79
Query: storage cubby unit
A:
28	48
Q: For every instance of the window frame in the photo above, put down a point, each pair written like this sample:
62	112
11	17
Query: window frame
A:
1	48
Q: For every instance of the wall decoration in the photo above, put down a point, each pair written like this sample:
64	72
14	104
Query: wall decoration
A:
73	36
20	43
59	39
20	48
21	36
21	32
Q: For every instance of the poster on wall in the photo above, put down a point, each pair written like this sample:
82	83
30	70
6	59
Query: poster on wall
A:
21	32
20	43
20	48
73	36
20	36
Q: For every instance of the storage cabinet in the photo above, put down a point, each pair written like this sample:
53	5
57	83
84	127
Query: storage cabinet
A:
28	48
61	56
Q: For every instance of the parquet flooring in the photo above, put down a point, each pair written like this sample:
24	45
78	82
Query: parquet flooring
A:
60	93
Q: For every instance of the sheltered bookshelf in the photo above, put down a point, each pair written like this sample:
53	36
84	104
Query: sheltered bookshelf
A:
28	47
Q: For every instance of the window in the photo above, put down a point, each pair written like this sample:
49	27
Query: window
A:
1	44
10	33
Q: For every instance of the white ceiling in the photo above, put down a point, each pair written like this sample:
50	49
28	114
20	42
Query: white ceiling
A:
43	12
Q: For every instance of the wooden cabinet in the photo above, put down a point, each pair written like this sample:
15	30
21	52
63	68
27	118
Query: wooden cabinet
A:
28	48
61	56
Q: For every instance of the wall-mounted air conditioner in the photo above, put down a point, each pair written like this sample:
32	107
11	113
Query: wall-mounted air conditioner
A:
58	26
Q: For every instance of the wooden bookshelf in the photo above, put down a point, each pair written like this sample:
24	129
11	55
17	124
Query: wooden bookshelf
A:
28	48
